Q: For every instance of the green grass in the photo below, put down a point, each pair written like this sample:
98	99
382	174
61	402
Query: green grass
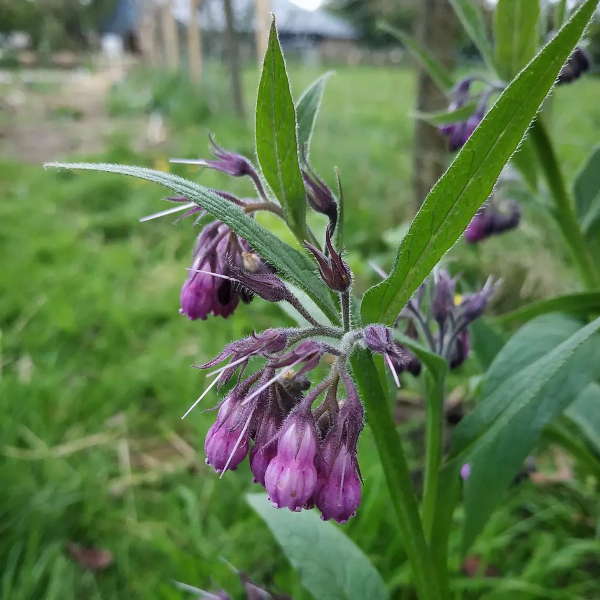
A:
92	345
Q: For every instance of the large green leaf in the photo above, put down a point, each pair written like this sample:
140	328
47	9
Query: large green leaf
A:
331	566
276	141
469	180
438	73
525	389
582	303
515	35
307	109
587	192
471	18
291	264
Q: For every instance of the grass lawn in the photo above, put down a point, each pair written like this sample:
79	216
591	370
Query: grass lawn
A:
96	367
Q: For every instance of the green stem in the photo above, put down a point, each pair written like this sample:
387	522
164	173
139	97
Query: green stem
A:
345	301
434	436
563	204
397	474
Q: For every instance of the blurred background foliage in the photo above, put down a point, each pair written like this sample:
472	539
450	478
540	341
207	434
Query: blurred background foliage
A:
96	362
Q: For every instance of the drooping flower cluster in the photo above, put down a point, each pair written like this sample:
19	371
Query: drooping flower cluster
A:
577	64
494	217
459	132
303	456
442	317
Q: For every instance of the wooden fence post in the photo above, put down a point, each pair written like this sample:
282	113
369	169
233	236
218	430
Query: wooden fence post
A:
262	22
170	35
194	43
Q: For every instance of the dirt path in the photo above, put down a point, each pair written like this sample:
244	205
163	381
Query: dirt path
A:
50	115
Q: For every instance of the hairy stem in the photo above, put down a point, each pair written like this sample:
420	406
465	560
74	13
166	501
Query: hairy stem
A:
563	204
269	206
434	437
389	446
345	300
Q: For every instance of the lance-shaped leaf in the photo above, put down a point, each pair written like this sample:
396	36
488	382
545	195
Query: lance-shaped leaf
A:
276	141
307	109
471	18
525	389
585	413
582	303
458	194
438	73
291	264
331	566
515	34
587	192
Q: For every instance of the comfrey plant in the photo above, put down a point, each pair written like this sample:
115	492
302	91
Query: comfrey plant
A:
300	431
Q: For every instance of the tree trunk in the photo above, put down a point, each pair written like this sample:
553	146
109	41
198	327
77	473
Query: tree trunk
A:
233	59
194	43
170	36
262	21
436	30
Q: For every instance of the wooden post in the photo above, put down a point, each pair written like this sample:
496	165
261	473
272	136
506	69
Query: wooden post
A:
262	22
194	43
170	35
147	33
437	32
233	59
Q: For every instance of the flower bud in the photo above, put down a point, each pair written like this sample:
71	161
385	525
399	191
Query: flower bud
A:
291	477
225	445
443	298
462	345
340	494
577	64
334	271
266	285
320	197
265	444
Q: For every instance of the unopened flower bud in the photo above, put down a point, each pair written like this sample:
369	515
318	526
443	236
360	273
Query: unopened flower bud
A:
340	494
577	64
334	271
225	445
462	345
291	477
443	298
320	197
266	285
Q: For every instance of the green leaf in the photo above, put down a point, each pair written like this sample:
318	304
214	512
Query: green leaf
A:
470	179
587	192
331	566
515	34
276	142
525	389
526	161
445	117
438	73
585	413
291	264
472	21
486	341
582	303
307	109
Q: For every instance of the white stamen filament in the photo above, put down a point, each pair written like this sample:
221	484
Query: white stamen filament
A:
378	269
392	369
168	211
187	161
213	274
212	385
228	366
